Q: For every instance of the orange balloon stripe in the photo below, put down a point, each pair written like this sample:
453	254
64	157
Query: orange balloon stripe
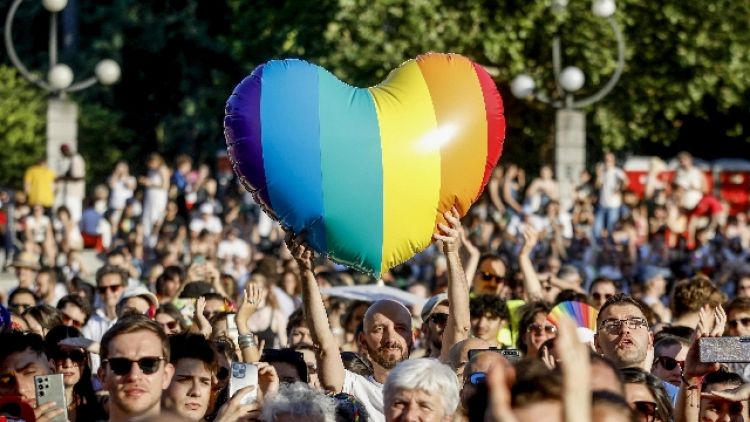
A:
461	133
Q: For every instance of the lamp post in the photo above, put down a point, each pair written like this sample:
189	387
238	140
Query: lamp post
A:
62	113
570	123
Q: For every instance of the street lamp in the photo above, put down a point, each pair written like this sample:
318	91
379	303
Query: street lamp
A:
62	114
570	124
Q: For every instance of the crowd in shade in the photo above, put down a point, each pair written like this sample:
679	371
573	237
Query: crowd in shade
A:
617	306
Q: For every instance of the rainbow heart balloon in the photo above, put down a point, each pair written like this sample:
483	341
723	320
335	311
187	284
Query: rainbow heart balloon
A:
365	173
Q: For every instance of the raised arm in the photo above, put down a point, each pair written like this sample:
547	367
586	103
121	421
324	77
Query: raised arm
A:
531	283
330	365
458	325
247	307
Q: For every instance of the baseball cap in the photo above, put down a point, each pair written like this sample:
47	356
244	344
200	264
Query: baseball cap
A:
431	303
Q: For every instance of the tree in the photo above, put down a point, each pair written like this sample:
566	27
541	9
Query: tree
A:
22	112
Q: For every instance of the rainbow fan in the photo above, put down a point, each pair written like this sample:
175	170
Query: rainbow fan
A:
583	314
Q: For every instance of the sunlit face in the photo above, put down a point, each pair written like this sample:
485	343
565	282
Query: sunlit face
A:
135	393
21	302
626	347
387	334
189	393
636	392
539	331
738	323
70	369
714	410
435	326
17	373
213	307
600	292
170	325
743	287
415	405
486	327
73	316
491	279
664	358
110	288
300	335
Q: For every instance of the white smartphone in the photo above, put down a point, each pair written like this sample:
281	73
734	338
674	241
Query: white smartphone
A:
243	375
50	388
232	331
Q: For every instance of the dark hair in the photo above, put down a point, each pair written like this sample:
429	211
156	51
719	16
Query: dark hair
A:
192	346
528	312
214	296
20	291
350	408
616	402
570	295
535	383
296	319
111	269
599	280
655	386
356	363
78	301
290	356
481	305
348	315
620	299
174	271
79	286
740	304
664	341
493	257
131	324
17	341
722	377
47	316
678	331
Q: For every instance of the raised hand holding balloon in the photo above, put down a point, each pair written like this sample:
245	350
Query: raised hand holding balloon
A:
366	173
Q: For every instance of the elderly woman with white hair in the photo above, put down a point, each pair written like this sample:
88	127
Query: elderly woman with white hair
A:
298	402
420	389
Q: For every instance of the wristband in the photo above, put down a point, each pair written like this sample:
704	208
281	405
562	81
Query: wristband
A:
246	341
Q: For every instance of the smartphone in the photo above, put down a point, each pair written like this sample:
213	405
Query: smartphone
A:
243	375
50	388
724	349
513	355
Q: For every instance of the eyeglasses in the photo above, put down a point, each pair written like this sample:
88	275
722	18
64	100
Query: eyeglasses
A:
439	318
614	325
76	356
171	325
736	322
599	296
670	363
496	278
477	378
539	328
19	307
645	409
114	288
69	321
122	366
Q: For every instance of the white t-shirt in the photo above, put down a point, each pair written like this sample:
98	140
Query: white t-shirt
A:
121	192
213	225
368	391
229	249
612	182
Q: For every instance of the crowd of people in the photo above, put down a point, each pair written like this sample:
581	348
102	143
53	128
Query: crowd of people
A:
198	286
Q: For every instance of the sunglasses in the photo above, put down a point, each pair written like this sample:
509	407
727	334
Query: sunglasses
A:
669	363
736	322
645	409
439	318
76	356
599	296
539	328
496	278
21	307
122	366
478	378
171	325
114	288
69	321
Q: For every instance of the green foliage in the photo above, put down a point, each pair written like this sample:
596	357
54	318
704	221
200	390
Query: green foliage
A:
22	113
98	126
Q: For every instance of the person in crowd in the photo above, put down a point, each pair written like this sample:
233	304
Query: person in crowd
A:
534	329
669	357
121	188
610	181
26	265
48	290
297	330
110	285
74	311
21	300
298	402
434	317
71	181
39	184
646	395
601	289
489	315
42	318
83	404
194	362
689	296
420	389
654	288
170	318
156	185
268	322
39	234
136	368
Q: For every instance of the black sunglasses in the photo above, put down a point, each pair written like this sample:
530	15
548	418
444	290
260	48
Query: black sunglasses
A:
171	325
77	356
496	278
646	408
122	366
439	318
113	288
669	363
22	307
736	322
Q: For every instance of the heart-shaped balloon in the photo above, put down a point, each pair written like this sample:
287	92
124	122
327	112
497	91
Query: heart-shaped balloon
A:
366	173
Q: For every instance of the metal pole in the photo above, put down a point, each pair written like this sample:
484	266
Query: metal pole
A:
607	88
52	39
41	83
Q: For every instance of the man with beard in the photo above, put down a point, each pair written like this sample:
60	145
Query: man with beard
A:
387	337
135	368
622	333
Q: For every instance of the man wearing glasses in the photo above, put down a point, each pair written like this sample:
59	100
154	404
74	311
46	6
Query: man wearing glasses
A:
434	318
135	368
20	300
110	283
622	333
669	358
491	277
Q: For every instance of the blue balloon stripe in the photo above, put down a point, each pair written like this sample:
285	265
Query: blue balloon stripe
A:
352	172
291	134
243	132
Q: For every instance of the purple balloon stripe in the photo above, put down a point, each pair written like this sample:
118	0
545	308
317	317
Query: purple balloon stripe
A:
242	130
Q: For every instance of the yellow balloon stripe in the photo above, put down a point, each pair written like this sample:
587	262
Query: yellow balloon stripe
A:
411	163
462	125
